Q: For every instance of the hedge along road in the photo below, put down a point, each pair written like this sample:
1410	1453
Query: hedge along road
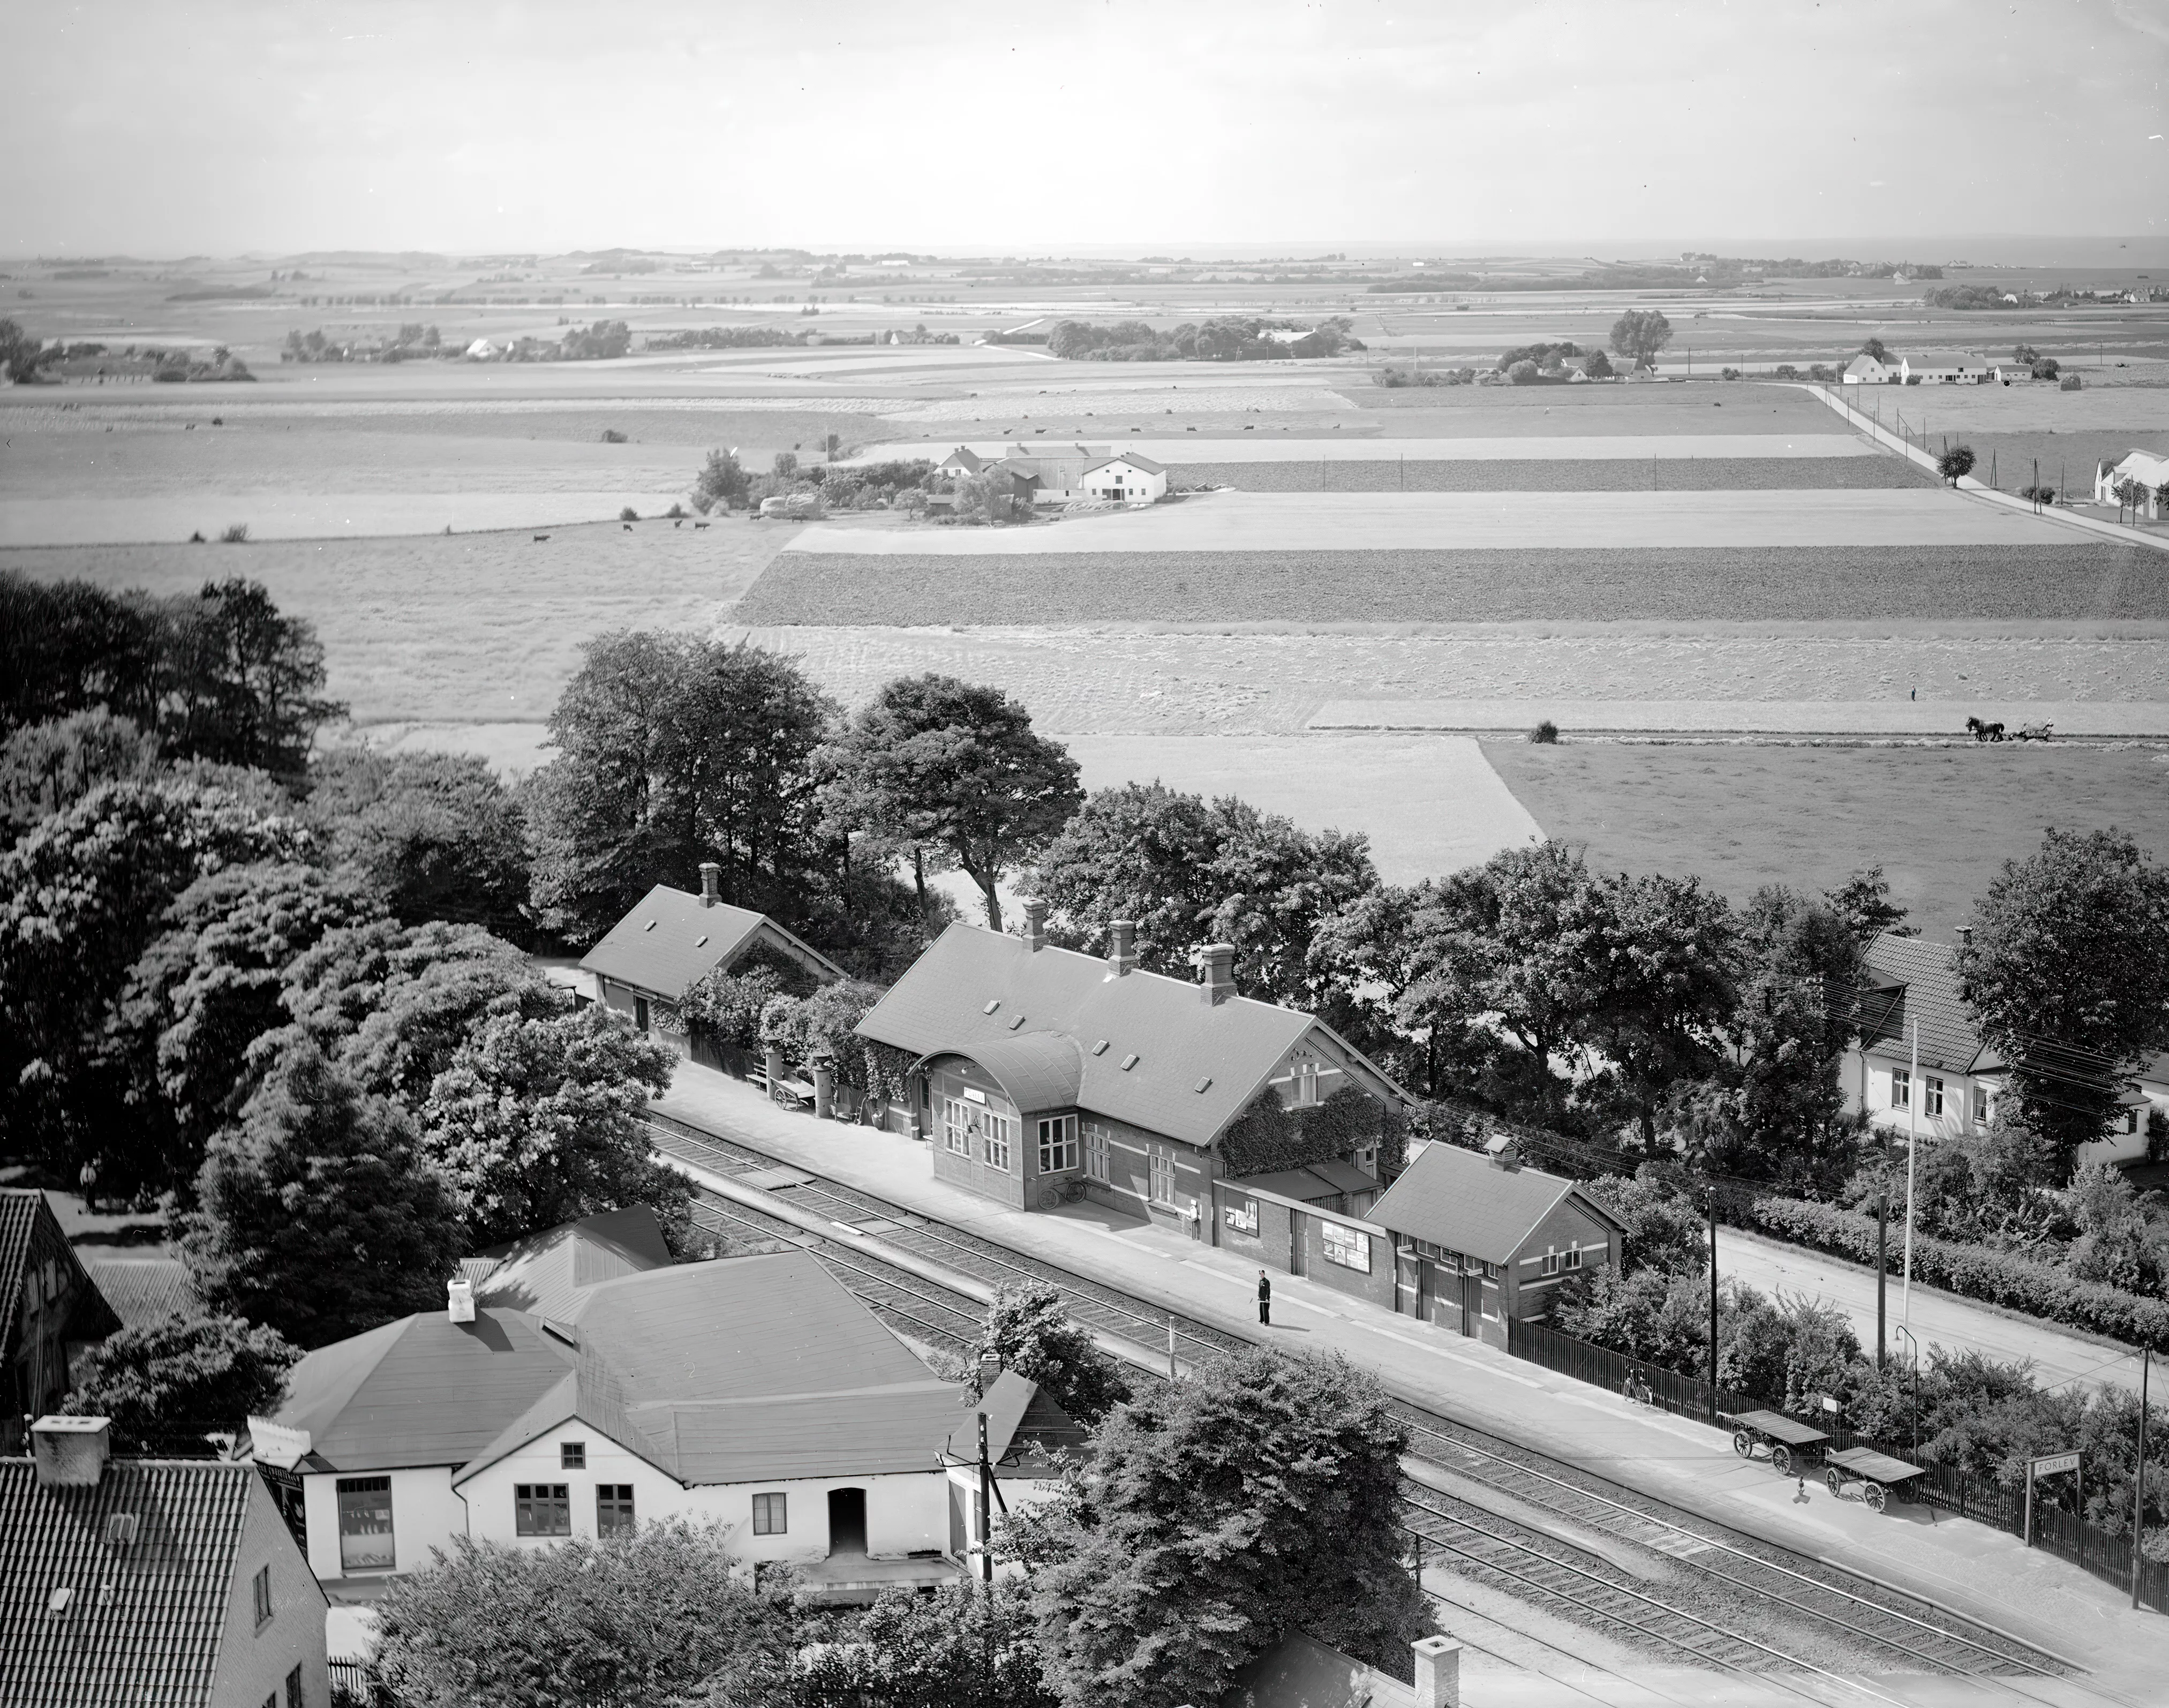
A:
1230	521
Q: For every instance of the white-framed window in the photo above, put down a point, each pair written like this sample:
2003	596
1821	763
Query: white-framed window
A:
772	1515
364	1524
1573	1255
572	1455
1551	1262
1901	1088
542	1509
1095	1154
1931	1095
1242	1215
1980	1104
1163	1176
1349	1247
2131	1119
1057	1144
260	1585
956	1125
613	1509
1001	1133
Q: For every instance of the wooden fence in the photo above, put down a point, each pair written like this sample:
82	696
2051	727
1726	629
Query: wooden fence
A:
2105	1553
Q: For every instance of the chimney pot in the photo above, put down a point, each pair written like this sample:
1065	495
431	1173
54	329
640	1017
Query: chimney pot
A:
70	1452
1121	950
459	1301
1505	1151
712	875
1217	962
1438	1673
1034	925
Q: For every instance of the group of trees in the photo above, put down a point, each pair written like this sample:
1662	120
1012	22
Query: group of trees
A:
413	342
1226	337
1201	1522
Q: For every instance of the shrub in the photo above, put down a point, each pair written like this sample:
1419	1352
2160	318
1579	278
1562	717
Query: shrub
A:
612	437
628	515
1545	734
234	534
2070	382
1730	374
1524	372
1785	370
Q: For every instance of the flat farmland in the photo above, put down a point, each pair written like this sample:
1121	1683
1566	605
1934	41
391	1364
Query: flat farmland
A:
1940	820
1420	521
1622	474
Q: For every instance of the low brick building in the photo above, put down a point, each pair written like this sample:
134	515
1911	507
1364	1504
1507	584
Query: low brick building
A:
1040	1072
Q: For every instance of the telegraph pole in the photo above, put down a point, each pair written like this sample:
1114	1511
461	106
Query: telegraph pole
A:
1712	1304
1881	1251
1912	1149
2138	1483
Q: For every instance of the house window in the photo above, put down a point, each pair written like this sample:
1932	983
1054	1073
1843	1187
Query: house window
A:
572	1455
1901	1088
1000	1129
769	1517
1057	1144
1096	1154
1163	1176
1551	1263
260	1587
1347	1246
364	1523
956	1125
542	1509
2131	1119
640	1012
1243	1214
1574	1256
293	1696
1980	1105
1931	1095
613	1509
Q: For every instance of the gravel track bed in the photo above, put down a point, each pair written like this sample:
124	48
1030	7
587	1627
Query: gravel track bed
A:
1691	583
1532	474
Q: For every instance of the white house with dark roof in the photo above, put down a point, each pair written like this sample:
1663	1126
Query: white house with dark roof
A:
1865	370
2150	470
1130	478
1921	1066
1040	1071
1479	1238
584	1384
644	962
1946	367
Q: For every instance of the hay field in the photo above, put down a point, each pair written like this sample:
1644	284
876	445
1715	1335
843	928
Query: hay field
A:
469	628
1942	820
1622	473
1581	447
1468	521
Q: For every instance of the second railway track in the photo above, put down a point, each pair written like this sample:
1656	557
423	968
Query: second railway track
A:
1668	1581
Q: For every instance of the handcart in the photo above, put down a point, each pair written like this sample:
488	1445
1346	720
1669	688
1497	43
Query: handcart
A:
1876	1474
1782	1437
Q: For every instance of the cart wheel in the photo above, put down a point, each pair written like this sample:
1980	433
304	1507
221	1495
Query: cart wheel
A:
1741	1445
1836	1482
1781	1460
1874	1496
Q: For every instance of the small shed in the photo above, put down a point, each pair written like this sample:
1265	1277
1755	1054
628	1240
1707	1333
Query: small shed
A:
1480	1237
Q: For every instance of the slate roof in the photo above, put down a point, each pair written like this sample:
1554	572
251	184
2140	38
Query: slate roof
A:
671	939
543	1272
1464	1201
1019	1415
144	1290
21	1210
1918	980
1180	1040
965	458
1134	460
1312	1182
716	1372
143	1625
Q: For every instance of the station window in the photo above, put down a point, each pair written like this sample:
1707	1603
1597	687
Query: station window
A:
364	1524
1551	1262
1980	1105
1574	1256
956	1125
1057	1144
1001	1130
1096	1154
1163	1176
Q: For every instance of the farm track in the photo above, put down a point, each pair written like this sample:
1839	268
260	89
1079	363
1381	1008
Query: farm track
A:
1700	1591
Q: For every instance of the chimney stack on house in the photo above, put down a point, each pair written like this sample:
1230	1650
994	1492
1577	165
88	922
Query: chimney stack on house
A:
1121	947
712	876
1216	962
990	1367
1505	1151
459	1301
70	1452
1965	936
1438	1673
1034	925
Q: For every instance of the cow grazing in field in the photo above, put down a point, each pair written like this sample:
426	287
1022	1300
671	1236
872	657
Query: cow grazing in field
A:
627	527
677	525
540	538
1984	732
697	526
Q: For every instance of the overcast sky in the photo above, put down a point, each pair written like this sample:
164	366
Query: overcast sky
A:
215	126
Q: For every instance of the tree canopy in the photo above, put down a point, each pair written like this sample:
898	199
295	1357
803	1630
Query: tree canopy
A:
1028	1330
437	834
188	1372
1639	334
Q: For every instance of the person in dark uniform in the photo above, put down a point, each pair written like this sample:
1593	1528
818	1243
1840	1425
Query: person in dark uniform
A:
1265	1299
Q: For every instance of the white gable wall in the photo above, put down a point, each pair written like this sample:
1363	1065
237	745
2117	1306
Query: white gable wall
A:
425	1514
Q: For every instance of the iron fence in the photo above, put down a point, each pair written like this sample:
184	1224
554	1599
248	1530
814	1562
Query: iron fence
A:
2105	1553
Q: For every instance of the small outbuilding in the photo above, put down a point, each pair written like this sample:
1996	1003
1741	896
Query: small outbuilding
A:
1480	1237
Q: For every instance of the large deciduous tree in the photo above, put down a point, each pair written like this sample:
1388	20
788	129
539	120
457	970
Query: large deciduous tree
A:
46	768
1214	1515
1028	1330
245	681
314	1215
2066	972
436	833
1639	334
957	771
966	1646
190	1372
1666	986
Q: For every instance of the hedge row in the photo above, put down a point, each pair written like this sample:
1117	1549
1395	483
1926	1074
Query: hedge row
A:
1974	1272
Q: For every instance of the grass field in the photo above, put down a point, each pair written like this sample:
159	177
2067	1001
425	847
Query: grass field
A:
1752	585
1559	474
1940	820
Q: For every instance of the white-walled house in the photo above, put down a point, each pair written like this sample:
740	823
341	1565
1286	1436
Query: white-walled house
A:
1865	370
2150	470
586	1384
1946	368
1129	478
1950	1090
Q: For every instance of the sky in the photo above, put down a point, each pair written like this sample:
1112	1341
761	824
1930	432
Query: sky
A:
162	128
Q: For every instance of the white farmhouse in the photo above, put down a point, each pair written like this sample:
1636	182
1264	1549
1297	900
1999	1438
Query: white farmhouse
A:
1864	370
1946	368
582	1384
2150	470
1129	479
482	350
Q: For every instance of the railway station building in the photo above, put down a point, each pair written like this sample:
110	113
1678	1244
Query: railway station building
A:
1041	1074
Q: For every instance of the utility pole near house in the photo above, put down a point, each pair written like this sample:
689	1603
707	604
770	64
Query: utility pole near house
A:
1882	1252
2138	1479
1712	1304
1912	1149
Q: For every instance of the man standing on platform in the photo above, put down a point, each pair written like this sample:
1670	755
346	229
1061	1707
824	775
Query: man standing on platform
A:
1264	1299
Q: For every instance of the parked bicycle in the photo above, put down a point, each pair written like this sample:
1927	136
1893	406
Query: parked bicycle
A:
1636	1391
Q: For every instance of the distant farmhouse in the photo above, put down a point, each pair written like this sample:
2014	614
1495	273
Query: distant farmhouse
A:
1060	474
2150	470
1864	370
1947	368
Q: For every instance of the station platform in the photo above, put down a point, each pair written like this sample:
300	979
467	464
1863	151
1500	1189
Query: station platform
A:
1968	1567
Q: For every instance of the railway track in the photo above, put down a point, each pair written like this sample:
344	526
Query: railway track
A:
1689	1589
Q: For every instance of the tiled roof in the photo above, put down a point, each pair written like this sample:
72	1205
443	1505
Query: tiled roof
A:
1179	1040
543	1272
22	1210
669	940
724	1371
1928	973
1144	463
144	1290
1464	1201
141	1625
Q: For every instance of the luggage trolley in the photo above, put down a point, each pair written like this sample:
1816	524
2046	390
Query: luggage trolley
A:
1780	1436
1876	1473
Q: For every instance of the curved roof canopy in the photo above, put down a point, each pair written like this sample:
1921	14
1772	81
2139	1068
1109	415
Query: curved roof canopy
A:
1034	1070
